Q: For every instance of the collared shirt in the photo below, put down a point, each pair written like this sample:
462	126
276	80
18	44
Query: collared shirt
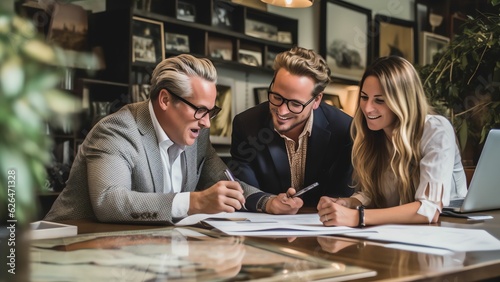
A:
442	176
297	154
173	162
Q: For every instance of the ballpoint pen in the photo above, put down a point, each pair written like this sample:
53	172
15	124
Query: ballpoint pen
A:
303	190
230	176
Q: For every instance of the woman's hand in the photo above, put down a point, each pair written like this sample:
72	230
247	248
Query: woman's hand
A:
333	212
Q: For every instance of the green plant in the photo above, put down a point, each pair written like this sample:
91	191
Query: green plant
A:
463	82
29	98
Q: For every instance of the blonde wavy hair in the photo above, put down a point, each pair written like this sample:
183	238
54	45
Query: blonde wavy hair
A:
373	153
304	62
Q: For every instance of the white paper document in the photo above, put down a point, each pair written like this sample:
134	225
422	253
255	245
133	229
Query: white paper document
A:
261	224
454	239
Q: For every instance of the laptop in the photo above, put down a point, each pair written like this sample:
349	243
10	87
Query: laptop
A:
484	189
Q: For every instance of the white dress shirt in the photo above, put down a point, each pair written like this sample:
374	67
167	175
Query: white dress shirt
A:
173	161
441	170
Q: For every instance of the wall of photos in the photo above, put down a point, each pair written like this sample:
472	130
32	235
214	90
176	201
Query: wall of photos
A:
309	21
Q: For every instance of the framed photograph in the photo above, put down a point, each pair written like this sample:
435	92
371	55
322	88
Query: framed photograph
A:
186	11
176	42
270	56
332	100
260	94
344	39
285	37
261	30
147	40
249	57
222	15
69	27
431	44
221	125
220	48
394	37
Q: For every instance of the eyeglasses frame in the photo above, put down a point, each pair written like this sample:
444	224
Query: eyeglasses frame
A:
269	92
216	110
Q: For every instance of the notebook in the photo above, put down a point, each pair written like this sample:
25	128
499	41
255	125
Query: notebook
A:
484	189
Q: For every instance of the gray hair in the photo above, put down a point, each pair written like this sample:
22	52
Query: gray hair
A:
174	74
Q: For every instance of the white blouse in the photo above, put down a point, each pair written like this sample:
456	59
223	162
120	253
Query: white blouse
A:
440	167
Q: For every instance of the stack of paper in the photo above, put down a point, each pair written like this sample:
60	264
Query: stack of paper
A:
47	229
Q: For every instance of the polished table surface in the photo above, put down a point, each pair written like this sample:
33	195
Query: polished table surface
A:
389	263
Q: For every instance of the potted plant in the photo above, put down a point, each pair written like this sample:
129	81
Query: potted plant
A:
463	82
29	98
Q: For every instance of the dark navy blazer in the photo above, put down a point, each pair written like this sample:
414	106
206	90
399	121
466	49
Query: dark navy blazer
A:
259	155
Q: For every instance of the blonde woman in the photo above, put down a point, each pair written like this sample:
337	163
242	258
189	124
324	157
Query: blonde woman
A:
406	161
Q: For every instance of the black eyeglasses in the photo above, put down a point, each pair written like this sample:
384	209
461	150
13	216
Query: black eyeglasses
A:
199	112
294	106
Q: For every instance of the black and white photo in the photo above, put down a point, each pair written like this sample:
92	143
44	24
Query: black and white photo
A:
147	41
249	57
261	30
177	42
222	15
345	41
186	11
220	48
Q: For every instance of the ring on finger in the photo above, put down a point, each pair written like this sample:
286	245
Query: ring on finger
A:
326	218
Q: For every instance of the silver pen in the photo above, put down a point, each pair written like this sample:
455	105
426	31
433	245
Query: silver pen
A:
305	190
230	176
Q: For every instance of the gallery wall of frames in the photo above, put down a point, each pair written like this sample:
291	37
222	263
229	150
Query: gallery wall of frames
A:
242	38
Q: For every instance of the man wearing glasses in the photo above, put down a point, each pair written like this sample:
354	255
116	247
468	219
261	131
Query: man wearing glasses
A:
293	140
152	161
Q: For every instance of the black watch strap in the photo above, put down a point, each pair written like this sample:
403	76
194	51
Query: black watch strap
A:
361	213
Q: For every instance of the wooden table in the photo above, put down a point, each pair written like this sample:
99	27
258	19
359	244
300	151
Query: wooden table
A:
390	264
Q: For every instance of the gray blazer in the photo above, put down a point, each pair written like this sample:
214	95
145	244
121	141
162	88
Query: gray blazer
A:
117	175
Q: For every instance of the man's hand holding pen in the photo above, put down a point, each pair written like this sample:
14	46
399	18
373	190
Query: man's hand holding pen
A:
223	196
284	203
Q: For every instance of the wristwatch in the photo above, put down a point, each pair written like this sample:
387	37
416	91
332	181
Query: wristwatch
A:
361	210
261	204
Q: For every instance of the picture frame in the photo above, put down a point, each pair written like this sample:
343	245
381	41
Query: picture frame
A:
270	57
147	41
285	37
332	100
220	48
260	94
250	57
261	30
222	15
221	125
345	40
176	42
69	27
186	11
431	44
395	36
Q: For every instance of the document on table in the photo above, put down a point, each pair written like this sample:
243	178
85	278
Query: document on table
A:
261	224
454	239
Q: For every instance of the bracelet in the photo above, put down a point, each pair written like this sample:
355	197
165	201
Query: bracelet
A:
361	210
261	204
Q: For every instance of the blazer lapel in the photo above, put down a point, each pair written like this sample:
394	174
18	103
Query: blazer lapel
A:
150	143
319	139
191	176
